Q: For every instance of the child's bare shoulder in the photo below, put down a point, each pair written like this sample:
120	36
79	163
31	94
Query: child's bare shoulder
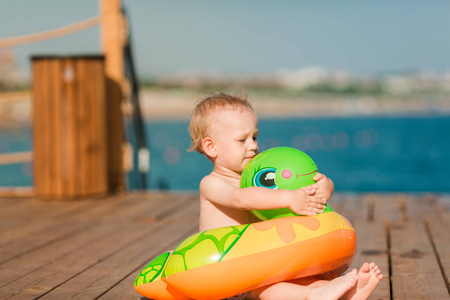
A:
214	186
212	181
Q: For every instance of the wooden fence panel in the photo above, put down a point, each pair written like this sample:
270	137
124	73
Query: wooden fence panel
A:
70	140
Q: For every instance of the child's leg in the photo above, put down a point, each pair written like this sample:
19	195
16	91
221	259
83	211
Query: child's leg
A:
308	289
369	276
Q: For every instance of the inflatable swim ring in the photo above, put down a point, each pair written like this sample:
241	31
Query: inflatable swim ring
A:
227	261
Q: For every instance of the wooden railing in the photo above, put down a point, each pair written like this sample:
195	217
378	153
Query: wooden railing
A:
15	95
16	157
114	42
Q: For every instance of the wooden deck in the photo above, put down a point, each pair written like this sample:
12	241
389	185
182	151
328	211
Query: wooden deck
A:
94	249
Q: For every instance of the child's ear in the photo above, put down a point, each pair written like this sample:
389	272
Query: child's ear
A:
209	147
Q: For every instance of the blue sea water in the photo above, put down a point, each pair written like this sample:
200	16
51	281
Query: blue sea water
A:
407	154
360	154
15	140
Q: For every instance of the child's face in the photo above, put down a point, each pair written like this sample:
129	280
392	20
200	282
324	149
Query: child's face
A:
234	132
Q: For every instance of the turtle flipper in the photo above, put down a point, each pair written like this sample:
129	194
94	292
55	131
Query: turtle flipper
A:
149	282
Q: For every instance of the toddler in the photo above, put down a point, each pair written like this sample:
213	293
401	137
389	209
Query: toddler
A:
225	129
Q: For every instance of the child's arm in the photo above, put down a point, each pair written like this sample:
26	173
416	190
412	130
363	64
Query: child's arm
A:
219	191
323	188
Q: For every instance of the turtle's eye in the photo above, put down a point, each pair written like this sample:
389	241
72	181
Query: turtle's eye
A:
265	178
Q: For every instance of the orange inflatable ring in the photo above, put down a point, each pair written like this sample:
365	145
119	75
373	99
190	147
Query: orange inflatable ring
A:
227	261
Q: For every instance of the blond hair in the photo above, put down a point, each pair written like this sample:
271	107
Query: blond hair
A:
201	119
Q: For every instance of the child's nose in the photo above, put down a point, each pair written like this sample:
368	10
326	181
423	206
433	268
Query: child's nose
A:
254	145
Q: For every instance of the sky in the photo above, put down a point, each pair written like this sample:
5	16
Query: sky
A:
250	37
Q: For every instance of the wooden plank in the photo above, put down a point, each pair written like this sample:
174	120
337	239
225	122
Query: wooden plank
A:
115	137
92	137
84	115
19	207
444	206
148	210
49	233
96	249
65	268
337	202
96	135
438	231
52	113
45	140
71	153
72	128
420	208
372	246
40	215
385	208
15	96
33	261
63	139
356	208
40	126
99	127
110	273
62	214
56	130
50	123
34	215
124	289
9	207
15	157
93	282
415	269
31	215
36	113
89	141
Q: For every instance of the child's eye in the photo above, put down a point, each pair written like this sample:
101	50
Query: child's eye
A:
265	178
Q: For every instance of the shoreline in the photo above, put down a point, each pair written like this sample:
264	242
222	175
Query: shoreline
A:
177	105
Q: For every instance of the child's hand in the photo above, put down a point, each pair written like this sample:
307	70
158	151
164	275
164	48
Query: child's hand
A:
322	189
305	204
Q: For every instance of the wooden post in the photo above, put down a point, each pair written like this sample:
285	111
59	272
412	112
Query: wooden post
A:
70	149
112	35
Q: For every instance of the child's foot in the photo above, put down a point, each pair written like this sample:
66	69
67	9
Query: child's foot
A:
336	287
369	276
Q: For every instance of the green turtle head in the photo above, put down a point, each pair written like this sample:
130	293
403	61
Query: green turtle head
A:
279	168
